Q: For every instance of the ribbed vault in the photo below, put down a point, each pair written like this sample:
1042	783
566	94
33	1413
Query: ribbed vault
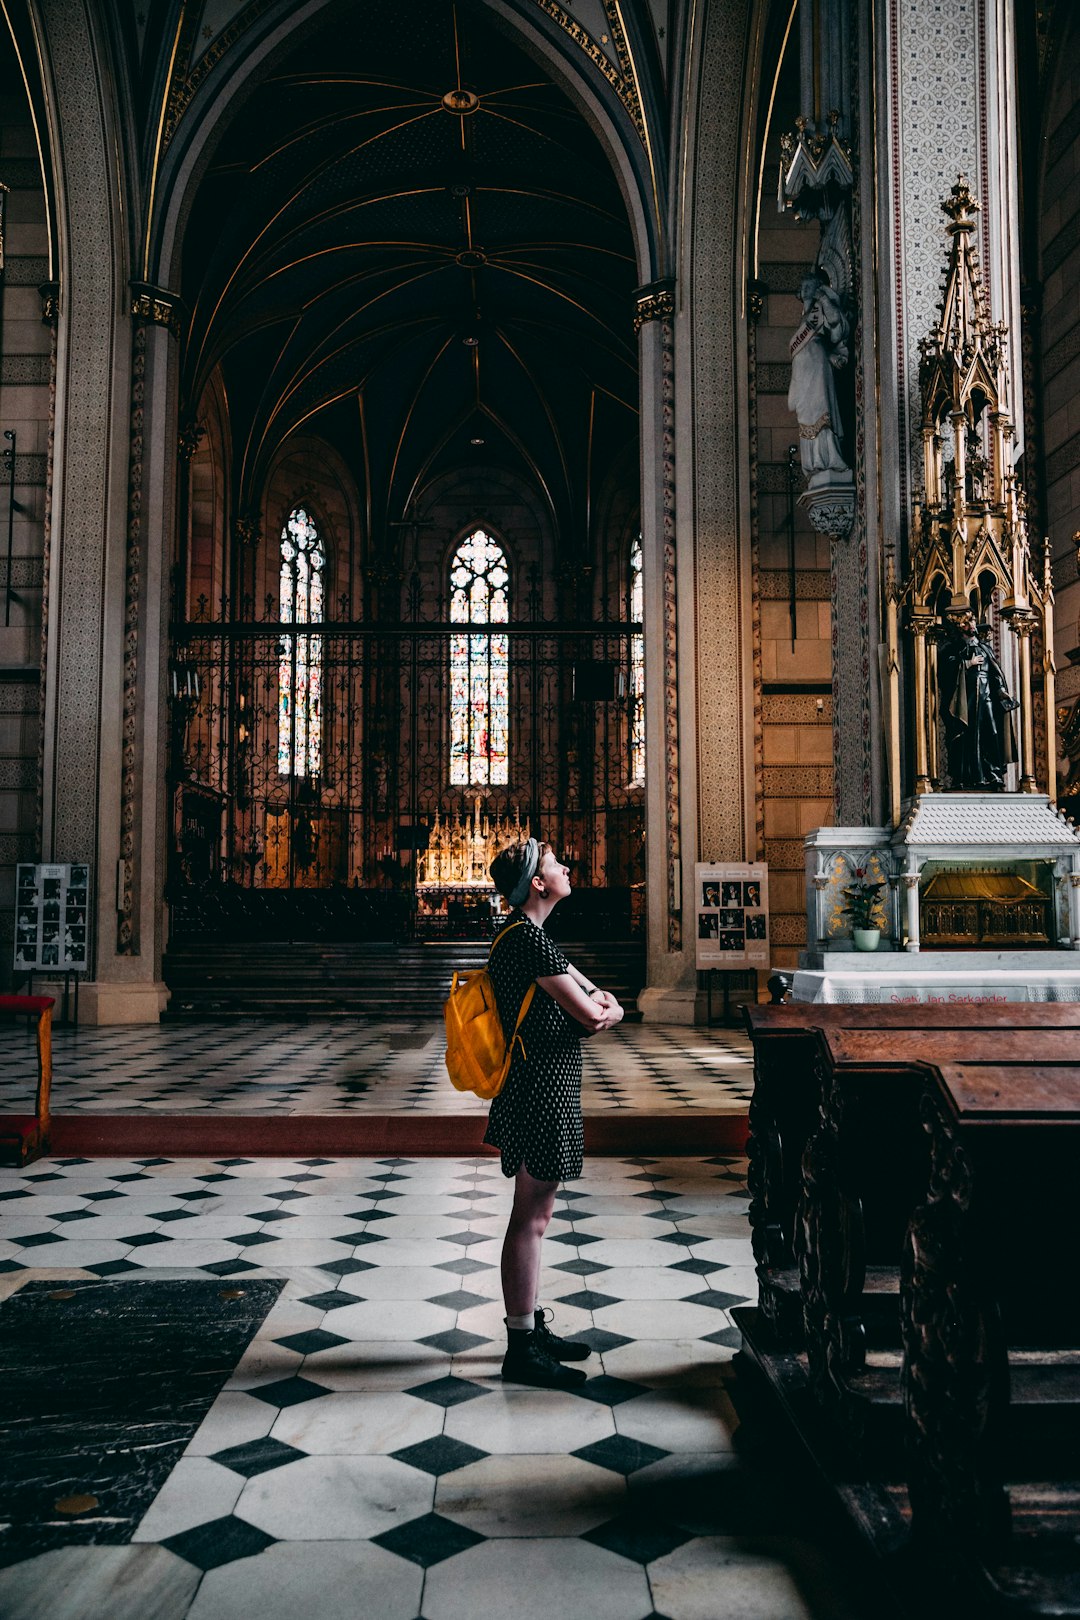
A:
411	243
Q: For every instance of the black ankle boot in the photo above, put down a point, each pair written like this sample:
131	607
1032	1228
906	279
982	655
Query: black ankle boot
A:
558	1349
527	1362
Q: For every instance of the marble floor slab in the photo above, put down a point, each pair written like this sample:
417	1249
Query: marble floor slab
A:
256	1066
364	1457
103	1383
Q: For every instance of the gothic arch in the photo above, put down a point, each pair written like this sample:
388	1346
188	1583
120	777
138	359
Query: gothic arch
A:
207	114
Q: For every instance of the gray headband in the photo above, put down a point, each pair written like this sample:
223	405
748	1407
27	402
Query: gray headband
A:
517	896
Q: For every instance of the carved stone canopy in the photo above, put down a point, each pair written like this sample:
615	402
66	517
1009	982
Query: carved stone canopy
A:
969	550
815	169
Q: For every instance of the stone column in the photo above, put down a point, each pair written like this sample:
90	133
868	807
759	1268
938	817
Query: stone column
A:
670	994
911	897
1023	625
1074	903
112	497
134	808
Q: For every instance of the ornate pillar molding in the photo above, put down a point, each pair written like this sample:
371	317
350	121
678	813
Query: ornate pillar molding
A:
655	302
127	939
156	306
49	293
653	322
155	314
247	532
188	439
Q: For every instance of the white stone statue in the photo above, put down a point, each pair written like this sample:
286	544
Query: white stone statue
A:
818	348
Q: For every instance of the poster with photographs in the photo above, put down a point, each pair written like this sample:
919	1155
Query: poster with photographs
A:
732	903
51	918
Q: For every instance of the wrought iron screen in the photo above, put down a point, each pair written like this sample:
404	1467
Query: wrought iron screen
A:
244	823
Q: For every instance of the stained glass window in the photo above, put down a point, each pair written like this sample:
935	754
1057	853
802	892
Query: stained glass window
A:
479	664
637	668
300	662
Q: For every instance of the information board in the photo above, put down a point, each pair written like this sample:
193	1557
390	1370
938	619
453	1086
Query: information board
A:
731	899
51	918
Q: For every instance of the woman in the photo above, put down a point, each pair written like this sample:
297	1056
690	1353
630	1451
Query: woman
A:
536	1119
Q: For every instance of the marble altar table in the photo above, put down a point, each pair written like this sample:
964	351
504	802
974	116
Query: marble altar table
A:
895	978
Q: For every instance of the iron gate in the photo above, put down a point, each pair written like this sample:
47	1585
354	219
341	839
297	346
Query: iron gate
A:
269	833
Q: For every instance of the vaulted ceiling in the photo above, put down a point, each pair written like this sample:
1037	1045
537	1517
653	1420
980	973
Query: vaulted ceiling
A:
411	243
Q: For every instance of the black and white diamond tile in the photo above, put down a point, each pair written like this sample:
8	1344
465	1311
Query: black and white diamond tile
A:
368	1416
361	1068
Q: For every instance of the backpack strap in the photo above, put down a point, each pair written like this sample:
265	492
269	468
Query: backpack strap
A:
530	992
503	931
525	1005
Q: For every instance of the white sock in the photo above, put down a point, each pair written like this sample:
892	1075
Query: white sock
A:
520	1324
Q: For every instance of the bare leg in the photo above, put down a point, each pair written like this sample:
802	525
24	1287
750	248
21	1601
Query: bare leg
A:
533	1203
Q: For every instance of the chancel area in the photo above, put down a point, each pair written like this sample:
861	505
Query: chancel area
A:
645	426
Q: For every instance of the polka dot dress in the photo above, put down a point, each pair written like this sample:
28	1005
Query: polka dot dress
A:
536	1119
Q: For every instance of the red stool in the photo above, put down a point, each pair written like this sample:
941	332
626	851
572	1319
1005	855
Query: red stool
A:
27	1135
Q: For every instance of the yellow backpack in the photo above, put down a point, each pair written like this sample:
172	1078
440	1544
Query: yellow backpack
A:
477	1051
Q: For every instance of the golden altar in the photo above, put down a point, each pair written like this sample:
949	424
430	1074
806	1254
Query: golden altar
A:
454	892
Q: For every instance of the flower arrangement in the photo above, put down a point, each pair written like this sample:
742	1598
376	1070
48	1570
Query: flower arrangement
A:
864	906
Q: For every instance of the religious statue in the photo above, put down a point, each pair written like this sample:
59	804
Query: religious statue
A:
818	348
976	708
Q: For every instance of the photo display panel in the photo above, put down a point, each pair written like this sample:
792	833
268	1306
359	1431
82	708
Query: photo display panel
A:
731	899
52	918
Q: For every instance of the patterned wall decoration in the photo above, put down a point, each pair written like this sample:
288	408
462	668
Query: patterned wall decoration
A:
18	369
754	372
934	128
25	270
671	639
126	940
854	672
46	550
725	751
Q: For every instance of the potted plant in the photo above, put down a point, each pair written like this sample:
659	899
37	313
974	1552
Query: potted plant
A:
864	909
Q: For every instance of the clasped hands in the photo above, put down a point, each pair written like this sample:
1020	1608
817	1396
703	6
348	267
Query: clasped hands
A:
609	1003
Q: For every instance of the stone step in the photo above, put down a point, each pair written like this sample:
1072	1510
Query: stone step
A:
310	980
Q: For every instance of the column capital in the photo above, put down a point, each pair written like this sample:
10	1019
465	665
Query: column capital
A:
246	529
156	306
654	302
189	438
49	292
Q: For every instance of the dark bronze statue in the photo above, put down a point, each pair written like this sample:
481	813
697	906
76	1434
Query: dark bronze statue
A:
976	708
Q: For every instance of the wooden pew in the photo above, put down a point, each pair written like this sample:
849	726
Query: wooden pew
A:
865	1169
942	1321
990	1320
785	1105
26	1136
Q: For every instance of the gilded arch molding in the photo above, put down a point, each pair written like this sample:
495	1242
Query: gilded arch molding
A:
199	89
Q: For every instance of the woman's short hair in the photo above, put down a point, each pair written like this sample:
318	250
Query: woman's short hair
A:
509	864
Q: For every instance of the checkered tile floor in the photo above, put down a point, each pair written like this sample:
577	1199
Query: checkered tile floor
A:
258	1067
365	1459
